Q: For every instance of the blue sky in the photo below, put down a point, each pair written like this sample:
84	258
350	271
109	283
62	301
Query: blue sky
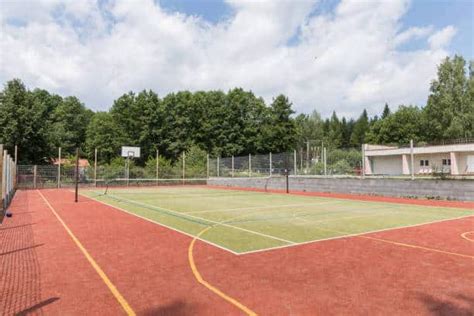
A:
368	52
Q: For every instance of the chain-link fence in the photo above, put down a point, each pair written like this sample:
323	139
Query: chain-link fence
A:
7	179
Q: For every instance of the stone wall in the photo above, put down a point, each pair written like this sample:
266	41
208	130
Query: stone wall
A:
443	189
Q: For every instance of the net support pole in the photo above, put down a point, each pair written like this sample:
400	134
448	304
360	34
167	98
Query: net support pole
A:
76	195
294	162
207	165
250	165
95	167
184	167
412	158
270	159
59	167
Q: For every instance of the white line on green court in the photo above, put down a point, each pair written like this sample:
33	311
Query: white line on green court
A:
259	207
203	219
350	235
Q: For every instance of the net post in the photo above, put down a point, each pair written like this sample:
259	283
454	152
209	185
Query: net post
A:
76	195
95	167
184	167
271	171
35	172
295	162
59	168
233	170
207	165
412	158
218	166
250	165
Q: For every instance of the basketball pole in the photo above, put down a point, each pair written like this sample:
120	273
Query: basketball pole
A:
77	176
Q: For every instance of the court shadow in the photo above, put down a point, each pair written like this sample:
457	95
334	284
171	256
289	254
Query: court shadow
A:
18	226
176	308
35	307
458	305
21	249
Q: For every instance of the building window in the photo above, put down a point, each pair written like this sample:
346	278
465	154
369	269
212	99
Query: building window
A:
422	163
446	162
427	163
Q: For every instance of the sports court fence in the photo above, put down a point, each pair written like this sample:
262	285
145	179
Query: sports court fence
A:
8	178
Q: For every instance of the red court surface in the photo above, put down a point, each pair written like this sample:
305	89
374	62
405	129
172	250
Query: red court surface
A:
423	270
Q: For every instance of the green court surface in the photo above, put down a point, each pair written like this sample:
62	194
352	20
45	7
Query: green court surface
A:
246	221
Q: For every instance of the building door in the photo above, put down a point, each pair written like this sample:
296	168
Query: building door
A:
470	164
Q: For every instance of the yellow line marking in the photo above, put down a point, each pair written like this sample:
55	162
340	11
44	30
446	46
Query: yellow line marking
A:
126	307
199	278
418	247
464	235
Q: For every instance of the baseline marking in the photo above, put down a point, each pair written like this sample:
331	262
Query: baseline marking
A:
200	279
126	307
206	220
352	235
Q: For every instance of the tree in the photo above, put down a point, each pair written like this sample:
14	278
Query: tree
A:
334	135
104	134
386	111
450	107
399	127
69	123
361	127
283	128
24	122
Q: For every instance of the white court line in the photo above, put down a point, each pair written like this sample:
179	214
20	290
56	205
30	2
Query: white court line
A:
207	220
163	225
259	207
351	235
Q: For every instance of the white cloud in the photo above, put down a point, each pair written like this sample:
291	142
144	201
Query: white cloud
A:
98	53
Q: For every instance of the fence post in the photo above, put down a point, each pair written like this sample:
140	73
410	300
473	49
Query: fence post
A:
232	166
34	176
307	156
184	167
207	164
250	165
363	162
1	177
218	166
271	171
412	157
325	161
294	161
157	165
59	167
16	164
95	167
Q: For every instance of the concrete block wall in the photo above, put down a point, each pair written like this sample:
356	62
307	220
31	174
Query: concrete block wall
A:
462	190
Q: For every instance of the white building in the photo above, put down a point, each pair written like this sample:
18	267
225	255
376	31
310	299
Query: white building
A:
456	159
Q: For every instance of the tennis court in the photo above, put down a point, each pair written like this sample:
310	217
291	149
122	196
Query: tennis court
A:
243	221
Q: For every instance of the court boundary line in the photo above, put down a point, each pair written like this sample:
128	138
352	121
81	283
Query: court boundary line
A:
112	288
160	224
210	221
292	244
352	235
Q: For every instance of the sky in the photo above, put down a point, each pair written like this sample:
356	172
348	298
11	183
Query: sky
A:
325	55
